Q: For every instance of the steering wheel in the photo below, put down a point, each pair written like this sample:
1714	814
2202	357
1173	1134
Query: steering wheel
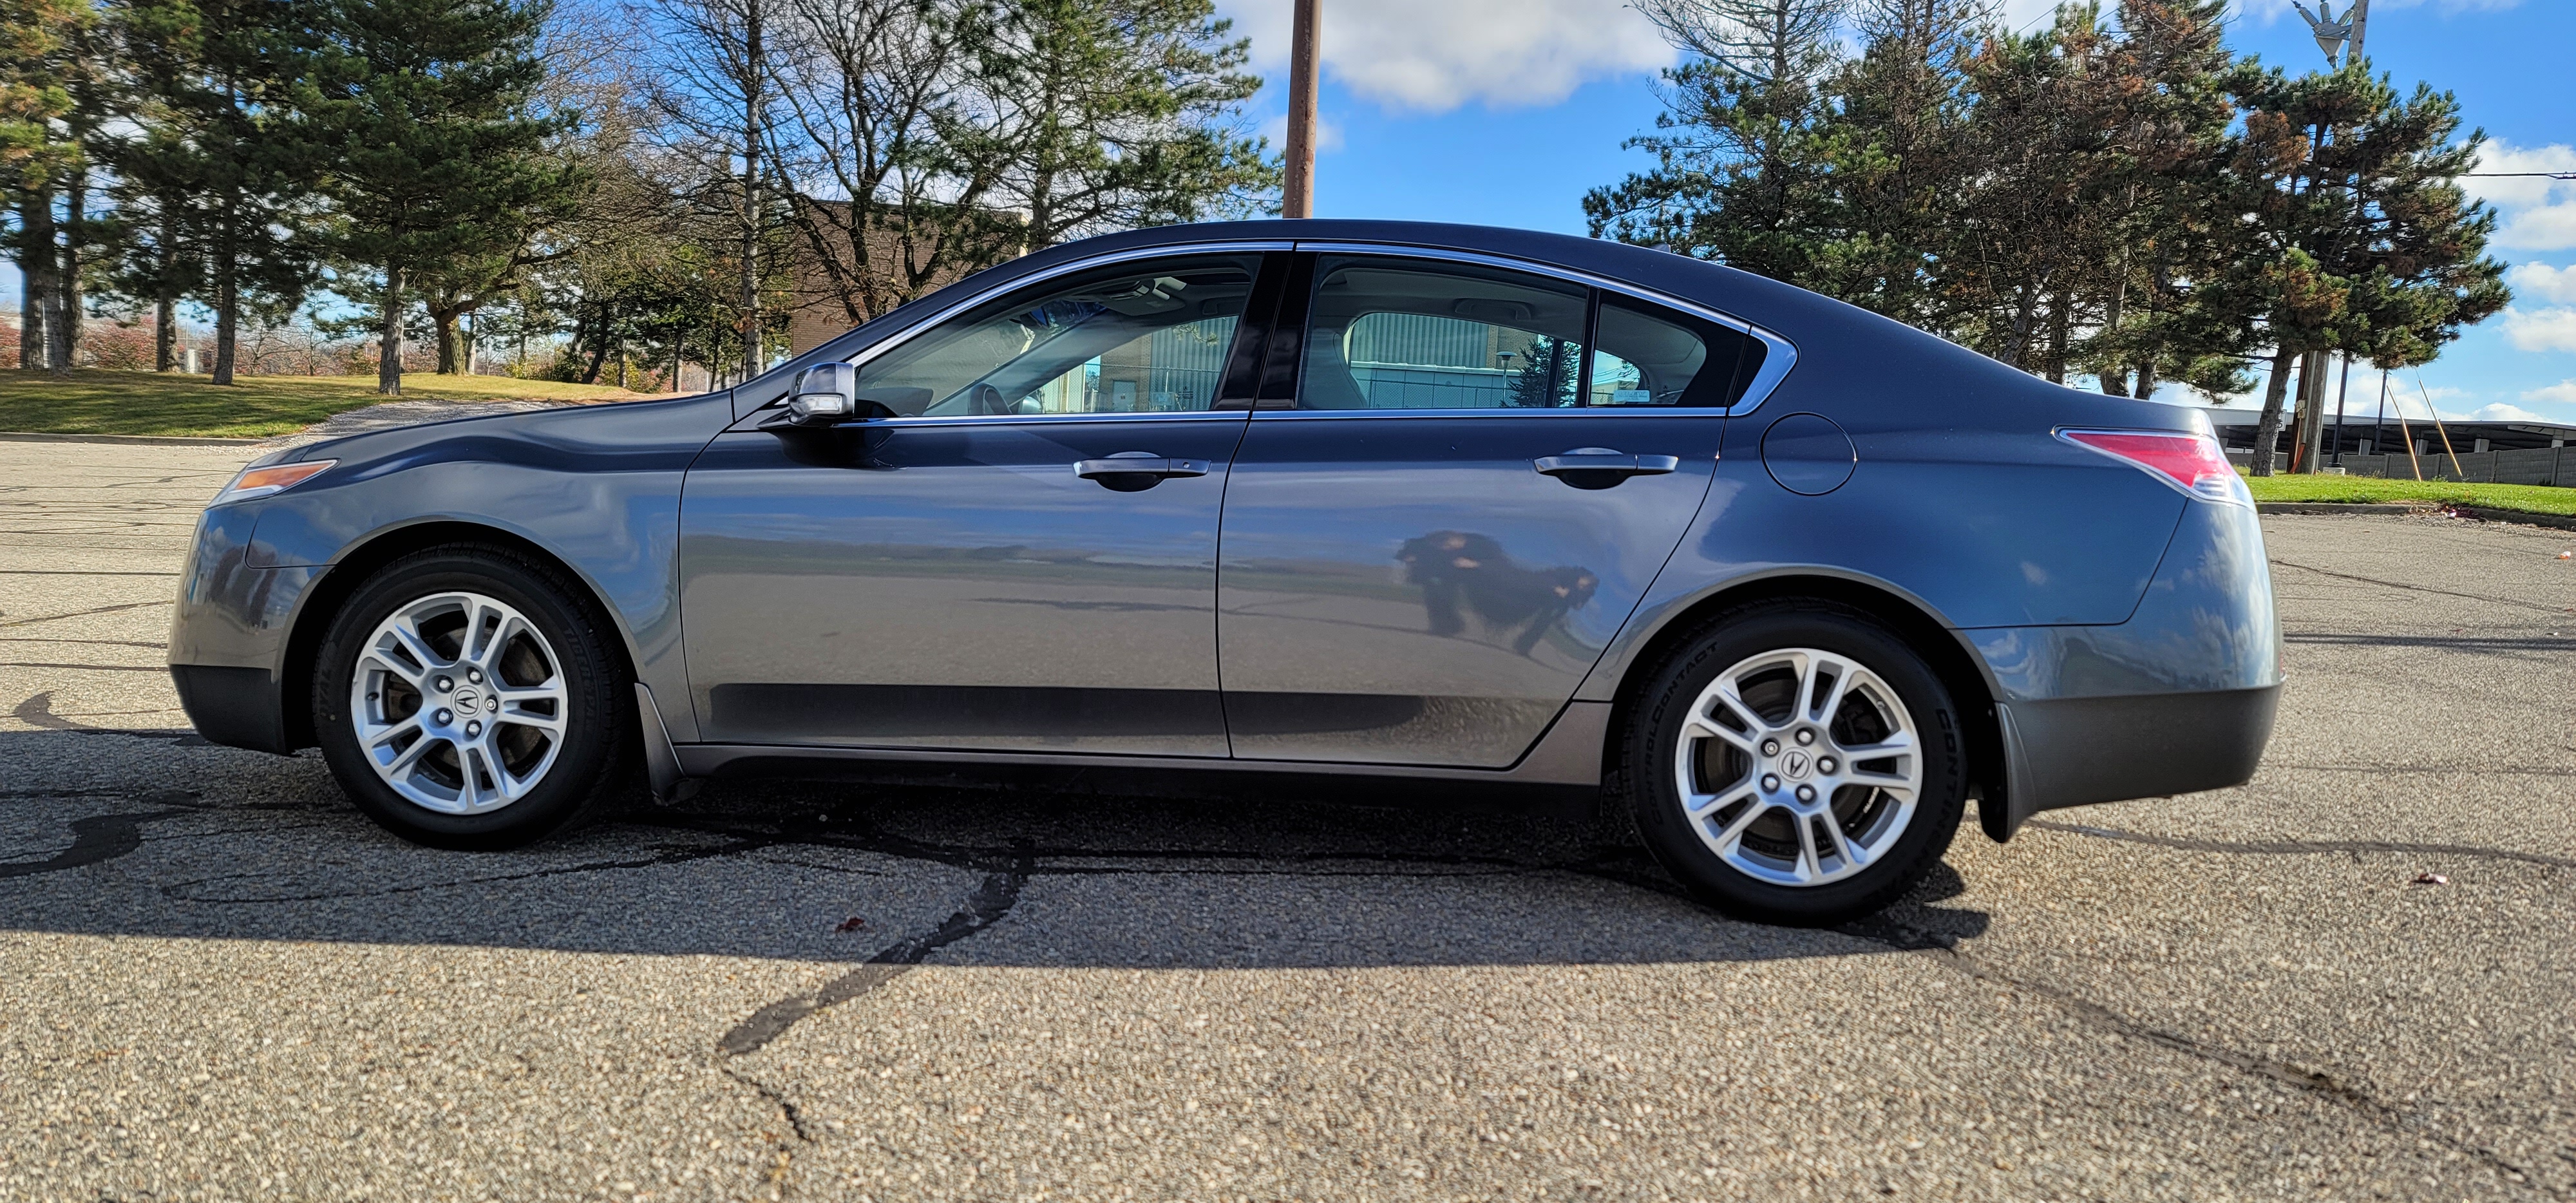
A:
986	401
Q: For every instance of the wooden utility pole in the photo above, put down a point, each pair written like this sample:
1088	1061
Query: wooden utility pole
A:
1299	200
755	70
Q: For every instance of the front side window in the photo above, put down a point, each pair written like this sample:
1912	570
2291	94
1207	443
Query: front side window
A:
1398	334
1135	338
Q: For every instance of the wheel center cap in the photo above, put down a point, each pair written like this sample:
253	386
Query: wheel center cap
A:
1795	764
467	701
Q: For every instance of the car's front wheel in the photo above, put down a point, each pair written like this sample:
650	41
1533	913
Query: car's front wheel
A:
1796	763
465	698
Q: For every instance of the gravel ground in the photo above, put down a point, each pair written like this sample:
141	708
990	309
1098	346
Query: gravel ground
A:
217	982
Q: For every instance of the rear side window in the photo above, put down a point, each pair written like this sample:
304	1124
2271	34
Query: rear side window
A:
1649	355
1397	334
1405	334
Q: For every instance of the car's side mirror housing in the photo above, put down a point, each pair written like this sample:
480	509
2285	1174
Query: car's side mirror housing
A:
824	394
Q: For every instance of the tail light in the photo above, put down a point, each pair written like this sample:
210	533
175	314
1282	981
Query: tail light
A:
2187	460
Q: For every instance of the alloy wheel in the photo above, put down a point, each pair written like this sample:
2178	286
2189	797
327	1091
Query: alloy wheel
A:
460	703
1798	767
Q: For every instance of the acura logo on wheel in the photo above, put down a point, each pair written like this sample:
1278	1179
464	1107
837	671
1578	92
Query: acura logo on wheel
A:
468	701
1794	764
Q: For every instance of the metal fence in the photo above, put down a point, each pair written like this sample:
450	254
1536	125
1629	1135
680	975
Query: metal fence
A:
2526	466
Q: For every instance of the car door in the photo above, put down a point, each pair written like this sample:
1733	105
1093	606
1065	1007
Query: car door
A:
1433	531
1017	553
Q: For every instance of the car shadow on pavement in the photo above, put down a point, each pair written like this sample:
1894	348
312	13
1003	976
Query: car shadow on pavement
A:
157	835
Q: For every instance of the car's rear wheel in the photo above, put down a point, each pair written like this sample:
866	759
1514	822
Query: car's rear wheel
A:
1796	763
465	698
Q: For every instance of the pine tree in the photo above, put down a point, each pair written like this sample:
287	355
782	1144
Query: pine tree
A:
1743	166
437	150
2366	243
216	185
2170	307
1113	114
39	41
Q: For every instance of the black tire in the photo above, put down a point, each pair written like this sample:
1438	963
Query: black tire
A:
595	761
1650	763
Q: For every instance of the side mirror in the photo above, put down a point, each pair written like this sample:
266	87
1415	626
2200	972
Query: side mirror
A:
824	394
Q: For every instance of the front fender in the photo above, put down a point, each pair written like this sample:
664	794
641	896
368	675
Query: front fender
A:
596	488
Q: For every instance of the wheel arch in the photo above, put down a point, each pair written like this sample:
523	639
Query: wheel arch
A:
1948	653
321	605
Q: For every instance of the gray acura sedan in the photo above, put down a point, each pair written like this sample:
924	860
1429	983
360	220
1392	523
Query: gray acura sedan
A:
1792	581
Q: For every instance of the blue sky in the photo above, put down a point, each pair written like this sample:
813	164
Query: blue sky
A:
1504	112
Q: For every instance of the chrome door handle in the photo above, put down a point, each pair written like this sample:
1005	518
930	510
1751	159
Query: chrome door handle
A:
1603	462
1139	463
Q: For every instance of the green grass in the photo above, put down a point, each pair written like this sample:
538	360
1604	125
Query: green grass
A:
2533	499
152	403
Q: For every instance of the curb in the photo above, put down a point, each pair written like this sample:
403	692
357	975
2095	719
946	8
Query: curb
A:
2344	507
146	440
2479	512
2485	514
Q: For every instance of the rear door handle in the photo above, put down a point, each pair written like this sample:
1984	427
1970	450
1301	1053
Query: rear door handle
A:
1603	463
1132	464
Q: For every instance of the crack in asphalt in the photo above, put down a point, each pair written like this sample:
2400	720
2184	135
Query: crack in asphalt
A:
986	906
95	668
668	856
1898	935
29	622
2304	847
2372	580
786	1106
2453	643
2434	768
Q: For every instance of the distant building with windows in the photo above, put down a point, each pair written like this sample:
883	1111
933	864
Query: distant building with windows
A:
2534	453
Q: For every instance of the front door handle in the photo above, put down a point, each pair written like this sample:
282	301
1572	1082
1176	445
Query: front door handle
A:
1130	471
1601	467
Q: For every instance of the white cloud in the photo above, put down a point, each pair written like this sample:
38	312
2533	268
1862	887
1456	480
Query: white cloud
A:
2501	412
2539	281
2539	213
1435	55
2561	393
2551	329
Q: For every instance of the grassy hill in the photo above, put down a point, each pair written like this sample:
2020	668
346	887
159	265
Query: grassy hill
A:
152	403
2535	499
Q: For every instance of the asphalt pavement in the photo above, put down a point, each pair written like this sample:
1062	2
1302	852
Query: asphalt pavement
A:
218	982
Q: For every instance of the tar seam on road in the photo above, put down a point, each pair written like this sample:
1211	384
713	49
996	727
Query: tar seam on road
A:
992	899
94	839
2304	847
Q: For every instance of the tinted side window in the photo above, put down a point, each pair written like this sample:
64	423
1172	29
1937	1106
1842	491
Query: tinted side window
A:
1653	356
1136	338
1392	334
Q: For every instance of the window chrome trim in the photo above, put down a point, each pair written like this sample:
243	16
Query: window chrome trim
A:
1779	354
1168	251
1168	415
1501	411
